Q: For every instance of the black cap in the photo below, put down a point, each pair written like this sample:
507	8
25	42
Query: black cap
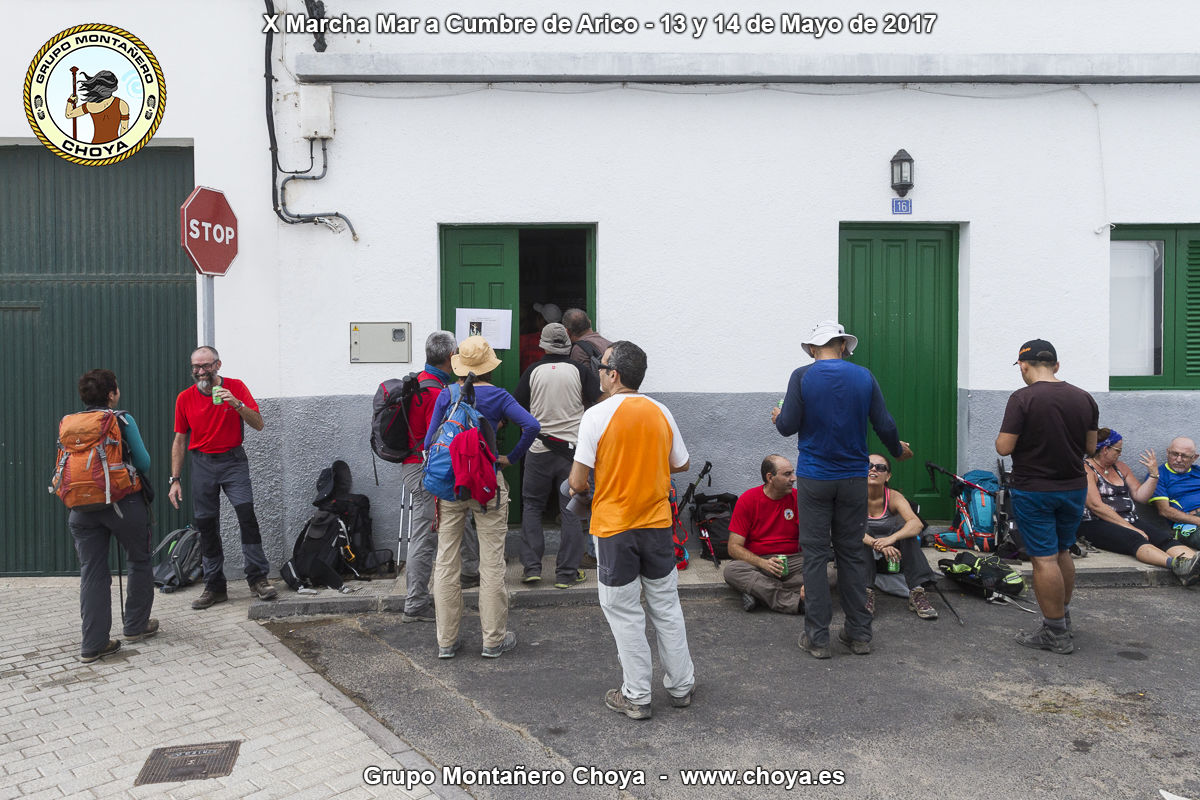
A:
1037	350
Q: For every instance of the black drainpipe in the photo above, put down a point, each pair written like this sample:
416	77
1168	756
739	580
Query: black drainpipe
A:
277	199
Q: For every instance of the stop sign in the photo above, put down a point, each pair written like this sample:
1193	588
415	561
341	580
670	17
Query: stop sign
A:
208	231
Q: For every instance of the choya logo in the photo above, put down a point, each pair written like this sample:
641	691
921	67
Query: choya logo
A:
94	94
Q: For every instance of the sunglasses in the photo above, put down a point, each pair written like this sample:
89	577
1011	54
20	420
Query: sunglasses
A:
878	468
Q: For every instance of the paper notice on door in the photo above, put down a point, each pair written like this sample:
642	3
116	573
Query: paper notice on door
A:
493	324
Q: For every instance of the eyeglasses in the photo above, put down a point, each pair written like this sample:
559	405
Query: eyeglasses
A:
873	467
204	367
607	367
1181	456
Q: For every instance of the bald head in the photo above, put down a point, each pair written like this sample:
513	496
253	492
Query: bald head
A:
1181	454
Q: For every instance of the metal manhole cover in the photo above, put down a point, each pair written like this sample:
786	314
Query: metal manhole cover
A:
189	762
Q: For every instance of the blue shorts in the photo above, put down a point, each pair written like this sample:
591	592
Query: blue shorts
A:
1047	521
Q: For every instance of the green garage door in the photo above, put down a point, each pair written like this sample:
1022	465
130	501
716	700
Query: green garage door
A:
898	293
91	275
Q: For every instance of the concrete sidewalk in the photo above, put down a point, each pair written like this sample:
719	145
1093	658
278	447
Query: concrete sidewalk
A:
85	730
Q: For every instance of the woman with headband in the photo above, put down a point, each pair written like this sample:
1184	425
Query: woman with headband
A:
1110	519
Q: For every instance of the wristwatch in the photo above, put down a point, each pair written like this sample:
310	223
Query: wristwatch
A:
172	479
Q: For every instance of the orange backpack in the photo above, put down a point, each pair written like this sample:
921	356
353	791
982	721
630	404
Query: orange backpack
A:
91	472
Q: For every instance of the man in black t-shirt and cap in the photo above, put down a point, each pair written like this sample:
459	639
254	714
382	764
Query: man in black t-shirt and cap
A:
1048	428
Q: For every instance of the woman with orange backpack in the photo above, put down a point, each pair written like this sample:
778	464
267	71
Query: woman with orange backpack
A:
101	463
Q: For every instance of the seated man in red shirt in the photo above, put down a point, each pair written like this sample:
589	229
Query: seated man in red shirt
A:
764	538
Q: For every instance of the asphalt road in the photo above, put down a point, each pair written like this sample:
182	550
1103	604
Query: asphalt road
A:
936	709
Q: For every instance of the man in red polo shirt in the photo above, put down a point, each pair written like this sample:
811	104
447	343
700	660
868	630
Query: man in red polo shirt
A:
208	422
422	540
764	540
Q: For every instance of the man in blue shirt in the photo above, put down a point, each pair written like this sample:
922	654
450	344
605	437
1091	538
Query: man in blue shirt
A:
1177	496
828	405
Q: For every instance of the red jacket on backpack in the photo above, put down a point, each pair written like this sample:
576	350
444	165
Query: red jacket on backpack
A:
474	467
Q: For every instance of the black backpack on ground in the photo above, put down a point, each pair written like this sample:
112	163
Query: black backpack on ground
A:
389	415
354	510
986	575
180	565
320	553
711	515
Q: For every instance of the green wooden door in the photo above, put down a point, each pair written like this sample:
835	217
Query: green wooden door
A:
91	276
898	293
481	269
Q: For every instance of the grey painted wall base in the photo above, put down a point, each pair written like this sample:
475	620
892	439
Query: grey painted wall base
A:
306	434
1146	420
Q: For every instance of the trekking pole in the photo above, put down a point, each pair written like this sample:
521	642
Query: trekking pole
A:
941	594
120	582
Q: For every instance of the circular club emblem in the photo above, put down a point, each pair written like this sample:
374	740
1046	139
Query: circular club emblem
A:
789	515
94	94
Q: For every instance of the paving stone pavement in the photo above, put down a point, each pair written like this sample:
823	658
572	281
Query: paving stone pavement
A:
85	730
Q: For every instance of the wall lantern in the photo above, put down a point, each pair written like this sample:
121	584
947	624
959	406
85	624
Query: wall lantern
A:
902	172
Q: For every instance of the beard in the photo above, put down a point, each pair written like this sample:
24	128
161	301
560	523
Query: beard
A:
204	384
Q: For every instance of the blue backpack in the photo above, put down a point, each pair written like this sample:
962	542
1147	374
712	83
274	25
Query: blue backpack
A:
974	515
439	478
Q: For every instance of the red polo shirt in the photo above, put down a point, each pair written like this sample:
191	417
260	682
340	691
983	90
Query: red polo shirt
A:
214	428
770	527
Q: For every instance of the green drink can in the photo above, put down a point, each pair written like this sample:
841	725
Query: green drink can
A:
785	566
893	565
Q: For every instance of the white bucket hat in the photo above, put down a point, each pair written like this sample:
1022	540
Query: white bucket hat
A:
826	330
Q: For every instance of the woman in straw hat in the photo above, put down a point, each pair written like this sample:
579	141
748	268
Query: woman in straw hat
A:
475	356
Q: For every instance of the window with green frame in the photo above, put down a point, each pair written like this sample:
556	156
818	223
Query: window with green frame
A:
1154	307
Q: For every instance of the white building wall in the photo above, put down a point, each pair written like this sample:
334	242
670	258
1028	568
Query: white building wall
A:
717	200
716	206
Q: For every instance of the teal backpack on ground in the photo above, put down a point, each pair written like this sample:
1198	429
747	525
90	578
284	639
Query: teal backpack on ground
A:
974	525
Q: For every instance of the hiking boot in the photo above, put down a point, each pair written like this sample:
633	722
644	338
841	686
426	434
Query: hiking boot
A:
749	602
857	646
588	561
816	651
1186	569
150	630
918	602
1045	639
617	701
507	643
468	581
871	602
208	598
685	701
264	590
420	615
88	657
531	579
451	651
580	577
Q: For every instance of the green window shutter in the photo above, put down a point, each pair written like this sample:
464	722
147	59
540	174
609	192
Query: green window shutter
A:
1187	264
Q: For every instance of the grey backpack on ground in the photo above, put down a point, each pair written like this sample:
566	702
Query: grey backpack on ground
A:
180	565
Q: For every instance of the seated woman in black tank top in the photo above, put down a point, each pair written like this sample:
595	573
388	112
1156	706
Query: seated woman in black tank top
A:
1110	519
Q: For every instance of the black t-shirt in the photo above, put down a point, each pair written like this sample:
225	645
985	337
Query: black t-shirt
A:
1051	420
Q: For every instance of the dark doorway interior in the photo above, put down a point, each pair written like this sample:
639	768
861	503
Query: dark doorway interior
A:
553	266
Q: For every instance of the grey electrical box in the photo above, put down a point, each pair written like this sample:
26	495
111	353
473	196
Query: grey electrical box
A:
380	342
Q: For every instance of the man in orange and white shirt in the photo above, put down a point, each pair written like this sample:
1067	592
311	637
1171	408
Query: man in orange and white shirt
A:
633	444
